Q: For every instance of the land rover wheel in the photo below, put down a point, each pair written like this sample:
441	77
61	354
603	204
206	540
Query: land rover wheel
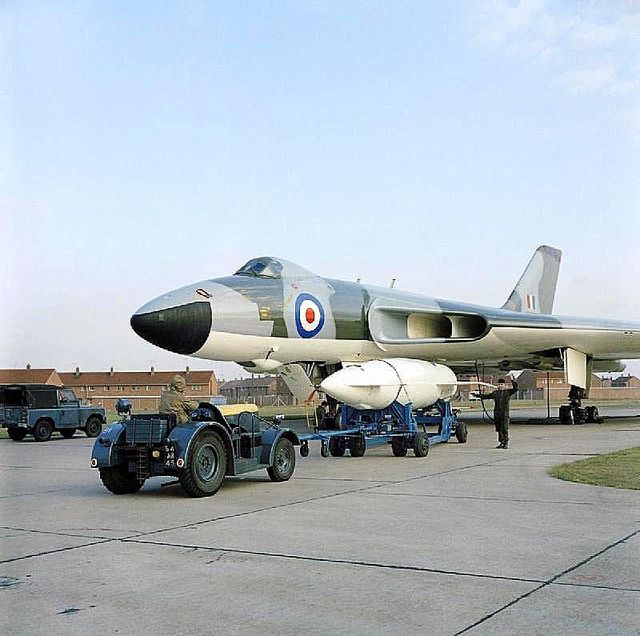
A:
119	481
205	466
42	430
17	434
93	427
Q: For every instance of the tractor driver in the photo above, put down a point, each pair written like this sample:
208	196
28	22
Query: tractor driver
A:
174	401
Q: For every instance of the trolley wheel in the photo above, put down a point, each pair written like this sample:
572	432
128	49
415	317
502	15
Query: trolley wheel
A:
67	433
324	449
284	461
304	449
337	447
399	447
42	430
461	433
119	481
17	434
421	444
205	466
357	446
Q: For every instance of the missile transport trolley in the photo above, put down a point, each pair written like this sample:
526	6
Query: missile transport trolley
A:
199	453
397	425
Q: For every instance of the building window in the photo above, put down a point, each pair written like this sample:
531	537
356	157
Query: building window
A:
134	388
91	388
196	387
107	388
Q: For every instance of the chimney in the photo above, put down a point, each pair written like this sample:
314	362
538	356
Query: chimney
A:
28	366
77	373
111	372
152	371
186	373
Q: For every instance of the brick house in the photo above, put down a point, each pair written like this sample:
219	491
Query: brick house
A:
30	376
141	388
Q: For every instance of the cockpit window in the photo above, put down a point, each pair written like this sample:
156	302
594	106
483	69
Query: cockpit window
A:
261	268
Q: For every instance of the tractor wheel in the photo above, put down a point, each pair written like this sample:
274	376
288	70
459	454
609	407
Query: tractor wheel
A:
93	427
461	433
119	481
67	433
399	447
284	461
42	430
421	444
205	466
337	447
357	446
17	434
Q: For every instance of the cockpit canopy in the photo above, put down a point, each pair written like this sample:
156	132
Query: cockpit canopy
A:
263	267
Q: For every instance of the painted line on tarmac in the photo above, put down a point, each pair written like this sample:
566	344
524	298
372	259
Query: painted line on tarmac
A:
552	581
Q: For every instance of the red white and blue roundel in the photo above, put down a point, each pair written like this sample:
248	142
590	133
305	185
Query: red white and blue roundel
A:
309	315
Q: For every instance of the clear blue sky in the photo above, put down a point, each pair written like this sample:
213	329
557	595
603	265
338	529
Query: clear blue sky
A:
146	145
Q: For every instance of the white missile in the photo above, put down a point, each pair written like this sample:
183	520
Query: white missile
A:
378	383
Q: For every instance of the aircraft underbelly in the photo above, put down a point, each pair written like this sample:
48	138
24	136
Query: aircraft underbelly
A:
499	344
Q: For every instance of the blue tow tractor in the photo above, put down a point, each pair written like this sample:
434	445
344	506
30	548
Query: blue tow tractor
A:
199	453
398	425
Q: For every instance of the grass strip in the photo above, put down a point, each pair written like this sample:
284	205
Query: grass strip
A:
614	470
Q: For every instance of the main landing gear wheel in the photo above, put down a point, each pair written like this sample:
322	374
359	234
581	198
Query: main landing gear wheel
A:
67	433
399	447
284	461
421	444
205	466
93	428
42	430
337	446
461	433
119	481
357	446
593	416
17	434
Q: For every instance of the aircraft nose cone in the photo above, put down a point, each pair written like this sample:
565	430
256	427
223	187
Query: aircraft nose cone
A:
183	329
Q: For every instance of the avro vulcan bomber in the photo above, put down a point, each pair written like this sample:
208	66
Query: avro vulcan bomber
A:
368	346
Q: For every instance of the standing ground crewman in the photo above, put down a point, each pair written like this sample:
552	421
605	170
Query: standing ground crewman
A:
501	398
174	401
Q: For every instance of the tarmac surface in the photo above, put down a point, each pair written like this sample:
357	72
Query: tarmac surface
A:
468	540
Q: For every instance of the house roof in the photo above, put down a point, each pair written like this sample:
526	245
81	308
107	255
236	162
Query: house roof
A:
135	377
30	376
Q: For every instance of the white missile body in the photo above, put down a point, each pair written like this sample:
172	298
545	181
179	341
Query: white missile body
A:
378	383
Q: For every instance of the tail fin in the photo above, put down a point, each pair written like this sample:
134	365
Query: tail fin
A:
536	288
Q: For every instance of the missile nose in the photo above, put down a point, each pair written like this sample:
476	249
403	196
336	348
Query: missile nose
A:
183	329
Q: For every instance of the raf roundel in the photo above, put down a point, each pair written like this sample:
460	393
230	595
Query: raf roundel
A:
309	315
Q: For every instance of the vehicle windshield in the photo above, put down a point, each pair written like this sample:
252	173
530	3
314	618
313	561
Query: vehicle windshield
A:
263	267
